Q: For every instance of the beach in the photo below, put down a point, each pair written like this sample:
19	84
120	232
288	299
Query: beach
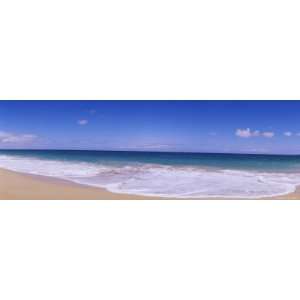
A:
148	175
19	186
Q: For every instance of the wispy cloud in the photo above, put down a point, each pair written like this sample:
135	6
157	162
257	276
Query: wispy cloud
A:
92	111
247	133
268	134
82	122
288	133
7	137
154	146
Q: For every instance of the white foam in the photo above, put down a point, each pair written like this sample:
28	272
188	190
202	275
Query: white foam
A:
161	180
45	167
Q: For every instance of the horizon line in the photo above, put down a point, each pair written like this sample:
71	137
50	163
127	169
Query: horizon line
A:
151	151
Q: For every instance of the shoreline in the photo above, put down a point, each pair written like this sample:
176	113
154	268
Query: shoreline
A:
22	186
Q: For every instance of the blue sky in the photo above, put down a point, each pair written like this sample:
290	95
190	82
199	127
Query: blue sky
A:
196	126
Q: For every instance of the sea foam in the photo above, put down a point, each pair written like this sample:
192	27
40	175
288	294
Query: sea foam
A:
160	180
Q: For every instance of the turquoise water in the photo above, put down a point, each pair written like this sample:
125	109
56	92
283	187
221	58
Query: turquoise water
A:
185	175
210	160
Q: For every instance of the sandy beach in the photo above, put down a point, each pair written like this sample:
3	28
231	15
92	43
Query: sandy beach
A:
19	186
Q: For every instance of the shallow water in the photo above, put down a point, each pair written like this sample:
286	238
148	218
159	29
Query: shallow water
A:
180	175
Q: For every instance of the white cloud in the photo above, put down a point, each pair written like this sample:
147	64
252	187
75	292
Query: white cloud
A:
149	147
256	133
82	122
7	137
288	133
268	134
247	133
244	133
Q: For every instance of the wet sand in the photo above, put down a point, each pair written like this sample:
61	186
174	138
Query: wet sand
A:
21	186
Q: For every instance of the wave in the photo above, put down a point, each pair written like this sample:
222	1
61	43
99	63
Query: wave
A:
160	180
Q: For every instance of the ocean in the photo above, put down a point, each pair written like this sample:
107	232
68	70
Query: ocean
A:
175	175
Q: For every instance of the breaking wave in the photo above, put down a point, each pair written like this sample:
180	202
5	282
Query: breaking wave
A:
160	180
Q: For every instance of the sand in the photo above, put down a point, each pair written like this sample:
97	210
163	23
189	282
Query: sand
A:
21	186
